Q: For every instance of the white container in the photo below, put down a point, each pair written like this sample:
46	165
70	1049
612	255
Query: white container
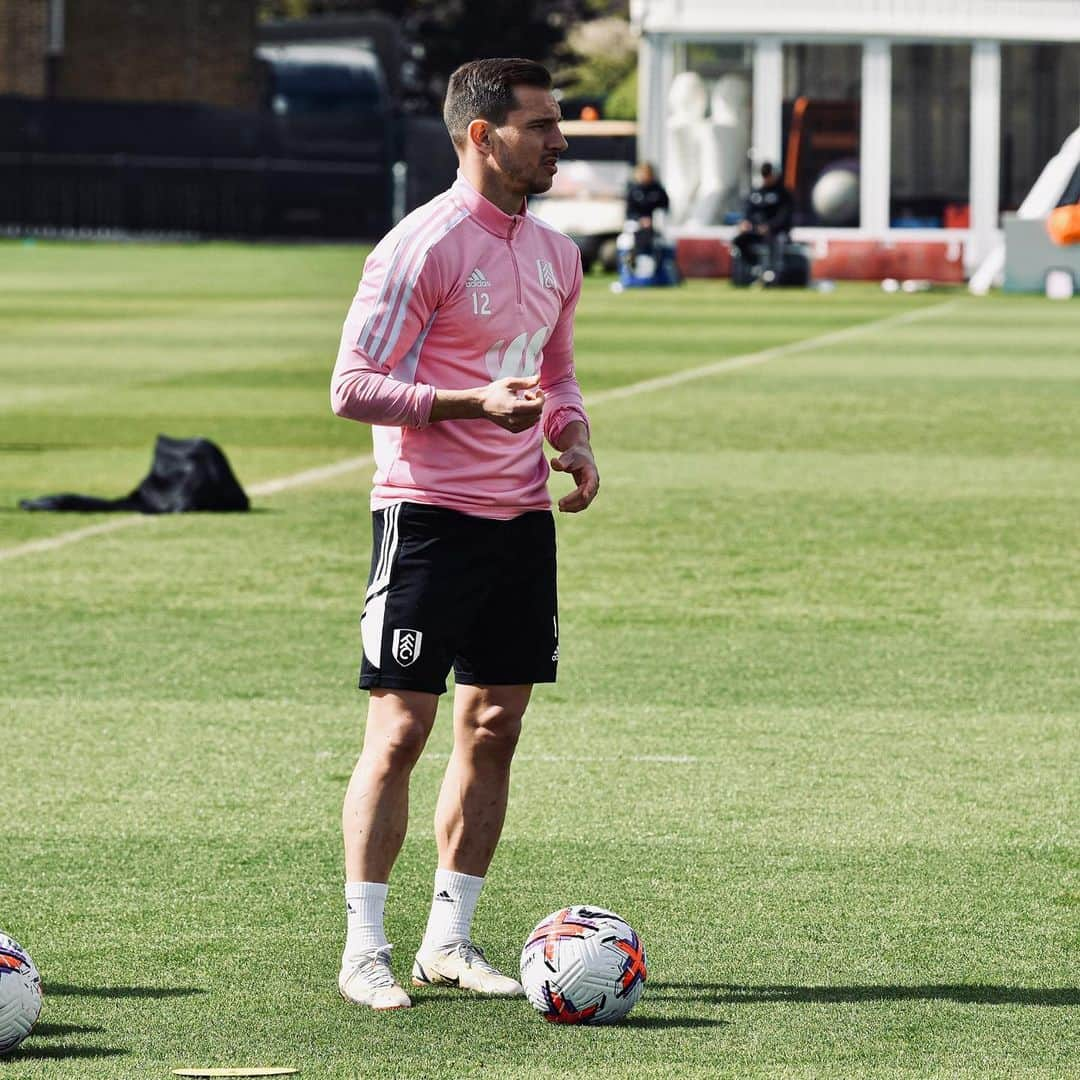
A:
1059	285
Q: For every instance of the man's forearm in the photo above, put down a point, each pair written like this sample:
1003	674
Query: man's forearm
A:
574	434
457	405
514	404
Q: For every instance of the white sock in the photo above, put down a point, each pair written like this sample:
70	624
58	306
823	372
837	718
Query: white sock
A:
452	908
364	904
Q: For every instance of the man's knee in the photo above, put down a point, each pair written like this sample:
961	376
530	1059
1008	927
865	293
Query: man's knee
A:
396	735
493	731
404	743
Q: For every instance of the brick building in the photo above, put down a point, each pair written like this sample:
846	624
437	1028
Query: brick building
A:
131	50
24	47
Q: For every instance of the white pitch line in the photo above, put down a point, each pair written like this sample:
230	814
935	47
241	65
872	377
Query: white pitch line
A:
637	759
645	386
51	543
311	476
734	363
580	759
267	487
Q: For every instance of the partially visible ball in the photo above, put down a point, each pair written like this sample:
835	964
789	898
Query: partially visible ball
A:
20	994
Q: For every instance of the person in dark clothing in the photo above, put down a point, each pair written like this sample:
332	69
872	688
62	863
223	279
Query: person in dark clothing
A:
767	216
644	196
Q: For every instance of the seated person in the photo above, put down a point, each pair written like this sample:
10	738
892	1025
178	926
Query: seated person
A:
767	216
644	197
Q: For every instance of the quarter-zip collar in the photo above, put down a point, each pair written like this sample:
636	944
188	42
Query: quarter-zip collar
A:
486	213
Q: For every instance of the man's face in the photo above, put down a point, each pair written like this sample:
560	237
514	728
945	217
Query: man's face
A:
527	145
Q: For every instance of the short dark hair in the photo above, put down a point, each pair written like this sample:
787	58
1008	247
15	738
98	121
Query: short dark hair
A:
484	90
766	169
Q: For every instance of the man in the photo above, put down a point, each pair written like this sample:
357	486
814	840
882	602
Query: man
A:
645	196
767	216
459	349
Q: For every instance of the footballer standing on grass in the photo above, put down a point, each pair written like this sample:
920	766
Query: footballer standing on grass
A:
458	349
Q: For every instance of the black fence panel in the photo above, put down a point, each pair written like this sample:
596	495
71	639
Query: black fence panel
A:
88	167
429	157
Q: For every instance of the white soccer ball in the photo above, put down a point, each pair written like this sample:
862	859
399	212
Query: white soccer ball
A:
835	196
20	994
583	965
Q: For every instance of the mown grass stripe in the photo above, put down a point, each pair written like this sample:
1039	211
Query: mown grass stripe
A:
734	363
643	386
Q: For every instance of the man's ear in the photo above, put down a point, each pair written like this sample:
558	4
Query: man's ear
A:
478	135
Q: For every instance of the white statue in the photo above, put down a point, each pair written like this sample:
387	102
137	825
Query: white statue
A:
686	118
724	150
706	155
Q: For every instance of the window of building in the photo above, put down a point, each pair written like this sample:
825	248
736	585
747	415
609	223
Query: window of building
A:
55	18
931	118
822	90
707	169
1040	108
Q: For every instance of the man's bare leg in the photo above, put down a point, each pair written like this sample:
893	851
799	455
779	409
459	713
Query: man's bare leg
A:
374	819
376	811
472	802
468	823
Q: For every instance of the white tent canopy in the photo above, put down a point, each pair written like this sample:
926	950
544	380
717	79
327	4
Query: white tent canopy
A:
668	27
1003	20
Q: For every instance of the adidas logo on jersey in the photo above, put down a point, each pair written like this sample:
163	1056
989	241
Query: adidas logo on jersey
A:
476	280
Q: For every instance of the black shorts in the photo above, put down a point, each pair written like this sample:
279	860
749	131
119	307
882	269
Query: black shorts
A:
451	590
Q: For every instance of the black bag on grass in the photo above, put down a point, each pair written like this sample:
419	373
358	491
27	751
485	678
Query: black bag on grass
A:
186	475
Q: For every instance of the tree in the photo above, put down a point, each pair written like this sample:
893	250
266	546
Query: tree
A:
601	52
453	31
439	35
622	102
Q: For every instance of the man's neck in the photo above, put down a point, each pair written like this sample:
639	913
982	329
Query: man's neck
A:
490	186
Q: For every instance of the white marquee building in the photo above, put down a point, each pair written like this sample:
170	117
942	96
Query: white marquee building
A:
953	107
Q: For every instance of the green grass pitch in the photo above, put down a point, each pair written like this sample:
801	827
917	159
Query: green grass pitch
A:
815	734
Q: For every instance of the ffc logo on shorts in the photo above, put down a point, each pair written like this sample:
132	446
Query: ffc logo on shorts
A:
406	646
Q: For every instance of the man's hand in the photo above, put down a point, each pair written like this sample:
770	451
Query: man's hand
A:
513	404
579	462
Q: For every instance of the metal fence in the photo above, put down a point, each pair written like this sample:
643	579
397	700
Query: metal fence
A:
83	168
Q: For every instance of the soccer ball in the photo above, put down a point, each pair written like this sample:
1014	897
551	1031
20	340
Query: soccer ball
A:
20	994
583	965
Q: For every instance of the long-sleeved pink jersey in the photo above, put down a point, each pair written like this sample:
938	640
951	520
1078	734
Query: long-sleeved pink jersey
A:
458	295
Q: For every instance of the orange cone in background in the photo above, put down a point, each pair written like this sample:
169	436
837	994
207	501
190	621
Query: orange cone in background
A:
1063	225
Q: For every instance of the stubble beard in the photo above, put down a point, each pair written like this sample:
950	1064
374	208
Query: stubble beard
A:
528	182
536	181
540	185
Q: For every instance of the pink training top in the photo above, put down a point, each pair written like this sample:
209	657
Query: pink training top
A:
458	295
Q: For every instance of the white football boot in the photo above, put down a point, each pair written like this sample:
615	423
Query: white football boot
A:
369	981
463	965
